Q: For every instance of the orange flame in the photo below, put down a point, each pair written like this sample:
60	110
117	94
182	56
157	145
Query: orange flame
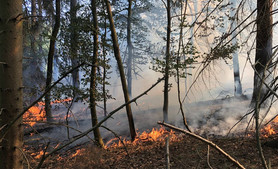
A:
38	155
271	128
153	136
37	113
78	152
34	114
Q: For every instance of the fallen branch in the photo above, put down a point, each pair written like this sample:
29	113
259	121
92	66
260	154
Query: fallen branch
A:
205	141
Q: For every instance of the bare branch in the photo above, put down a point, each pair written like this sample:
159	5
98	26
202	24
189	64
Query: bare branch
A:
205	141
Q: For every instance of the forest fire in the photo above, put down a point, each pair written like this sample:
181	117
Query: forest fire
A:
271	128
38	155
34	114
154	135
78	152
37	113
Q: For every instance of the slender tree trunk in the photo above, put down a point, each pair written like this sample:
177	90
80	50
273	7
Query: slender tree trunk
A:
11	94
183	17
40	23
50	61
49	9
237	81
121	70
263	46
93	82
33	27
35	41
104	68
33	52
74	46
129	46
167	59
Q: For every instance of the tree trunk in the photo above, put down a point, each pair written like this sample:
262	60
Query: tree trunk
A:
50	61
11	94
263	47
129	46
36	76
33	27
104	69
237	81
183	17
121	69
40	23
33	53
93	82
74	46
167	58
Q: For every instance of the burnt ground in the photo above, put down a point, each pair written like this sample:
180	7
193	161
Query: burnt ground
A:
185	152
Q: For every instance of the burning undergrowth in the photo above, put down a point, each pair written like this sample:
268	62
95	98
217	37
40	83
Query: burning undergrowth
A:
37	114
186	152
146	136
155	135
271	128
216	121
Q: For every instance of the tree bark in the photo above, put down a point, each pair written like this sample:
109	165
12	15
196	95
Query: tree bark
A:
33	27
50	61
121	70
237	81
74	46
167	59
183	17
11	94
104	68
40	23
263	47
93	82
129	46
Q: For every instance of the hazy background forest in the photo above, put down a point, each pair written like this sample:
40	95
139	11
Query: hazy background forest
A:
77	73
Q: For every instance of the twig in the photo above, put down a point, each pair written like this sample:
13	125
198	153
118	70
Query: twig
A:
119	138
70	111
205	141
167	155
24	155
266	122
67	116
257	117
208	159
43	156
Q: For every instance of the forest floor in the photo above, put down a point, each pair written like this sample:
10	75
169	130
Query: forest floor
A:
185	152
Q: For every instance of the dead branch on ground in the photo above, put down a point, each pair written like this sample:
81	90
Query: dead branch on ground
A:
205	141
